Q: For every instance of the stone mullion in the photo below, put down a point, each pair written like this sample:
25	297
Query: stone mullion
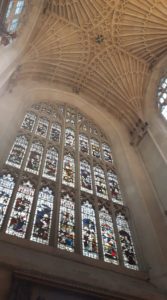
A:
44	142
78	218
57	198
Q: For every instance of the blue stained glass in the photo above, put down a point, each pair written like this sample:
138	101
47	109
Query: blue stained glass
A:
51	161
100	183
6	189
69	138
114	188
17	153
66	235
43	217
85	176
21	210
89	231
128	250
108	237
83	144
34	159
42	127
55	133
107	153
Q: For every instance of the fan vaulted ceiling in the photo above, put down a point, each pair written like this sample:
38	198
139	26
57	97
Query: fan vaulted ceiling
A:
103	49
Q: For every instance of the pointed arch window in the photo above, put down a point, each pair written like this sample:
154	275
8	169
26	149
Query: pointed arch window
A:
65	187
17	152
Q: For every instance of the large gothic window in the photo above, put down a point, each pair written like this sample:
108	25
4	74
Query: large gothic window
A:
59	187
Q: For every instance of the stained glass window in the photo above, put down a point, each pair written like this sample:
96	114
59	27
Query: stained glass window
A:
34	159
51	161
42	127
69	138
68	170
29	121
6	189
17	153
89	231
95	149
66	235
128	251
114	187
43	216
108	237
19	7
21	210
162	96
83	144
86	178
100	182
59	132
55	132
107	152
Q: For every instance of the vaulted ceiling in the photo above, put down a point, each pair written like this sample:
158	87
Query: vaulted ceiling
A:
104	49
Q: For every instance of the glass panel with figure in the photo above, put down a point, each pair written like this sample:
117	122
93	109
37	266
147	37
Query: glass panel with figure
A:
89	231
114	188
108	237
100	183
85	177
55	132
42	127
83	144
70	117
69	170
43	217
107	153
95	149
6	189
34	159
66	235
69	138
127	246
21	210
17	153
29	121
51	161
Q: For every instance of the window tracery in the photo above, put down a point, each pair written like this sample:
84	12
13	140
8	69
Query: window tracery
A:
71	161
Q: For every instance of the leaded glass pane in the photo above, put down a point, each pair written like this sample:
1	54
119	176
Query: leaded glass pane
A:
51	161
128	251
89	231
114	188
83	144
21	210
55	133
43	217
85	177
69	138
108	237
6	189
107	152
29	121
68	170
42	127
100	182
17	153
34	159
95	149
66	235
